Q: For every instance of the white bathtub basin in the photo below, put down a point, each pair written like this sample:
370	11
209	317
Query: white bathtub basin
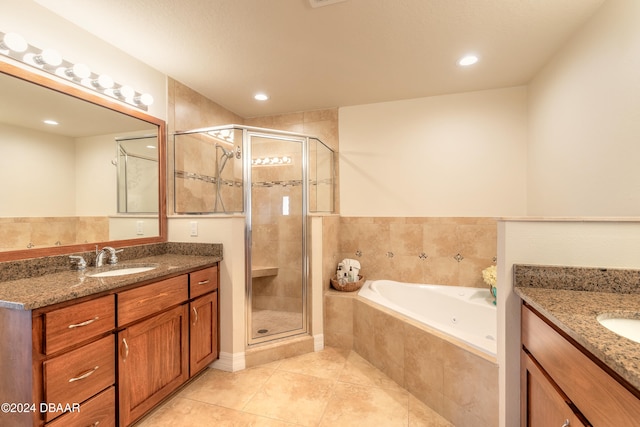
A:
626	327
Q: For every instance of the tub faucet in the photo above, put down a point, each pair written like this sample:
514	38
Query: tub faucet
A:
113	258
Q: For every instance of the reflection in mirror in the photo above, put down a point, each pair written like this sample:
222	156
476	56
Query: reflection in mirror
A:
58	184
137	174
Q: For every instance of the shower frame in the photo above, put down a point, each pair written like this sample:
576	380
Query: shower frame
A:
244	151
248	134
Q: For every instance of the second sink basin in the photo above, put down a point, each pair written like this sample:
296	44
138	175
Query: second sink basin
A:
626	327
123	271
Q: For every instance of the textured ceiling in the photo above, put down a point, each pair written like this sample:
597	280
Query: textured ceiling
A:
348	53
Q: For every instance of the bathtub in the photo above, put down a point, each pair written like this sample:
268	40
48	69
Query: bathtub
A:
463	313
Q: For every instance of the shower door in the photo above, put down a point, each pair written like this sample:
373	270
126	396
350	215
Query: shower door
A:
276	236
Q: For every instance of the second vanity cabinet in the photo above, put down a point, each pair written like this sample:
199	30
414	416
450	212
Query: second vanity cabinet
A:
110	358
155	346
152	345
565	387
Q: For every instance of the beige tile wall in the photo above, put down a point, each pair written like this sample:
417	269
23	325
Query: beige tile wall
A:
456	381
391	248
18	233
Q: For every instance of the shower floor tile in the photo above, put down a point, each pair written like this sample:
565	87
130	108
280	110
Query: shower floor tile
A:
270	322
332	387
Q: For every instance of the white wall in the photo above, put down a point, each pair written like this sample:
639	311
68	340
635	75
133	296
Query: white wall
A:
46	186
228	230
96	189
450	155
585	121
44	29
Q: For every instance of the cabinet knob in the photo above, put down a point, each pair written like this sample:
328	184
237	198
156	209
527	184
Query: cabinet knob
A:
567	423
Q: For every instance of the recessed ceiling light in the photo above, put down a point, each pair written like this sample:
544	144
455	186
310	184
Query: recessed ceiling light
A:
51	122
261	97
467	60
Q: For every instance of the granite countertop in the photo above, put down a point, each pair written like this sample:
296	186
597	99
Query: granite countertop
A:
30	293
575	312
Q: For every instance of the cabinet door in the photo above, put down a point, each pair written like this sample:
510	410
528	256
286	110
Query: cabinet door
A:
204	331
152	361
543	405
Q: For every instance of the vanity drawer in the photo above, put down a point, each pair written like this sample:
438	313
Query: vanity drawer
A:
203	281
71	325
602	399
151	299
79	374
100	411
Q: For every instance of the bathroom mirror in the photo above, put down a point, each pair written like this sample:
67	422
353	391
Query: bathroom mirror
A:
63	188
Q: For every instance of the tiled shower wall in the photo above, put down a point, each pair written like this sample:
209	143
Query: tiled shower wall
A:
437	250
276	236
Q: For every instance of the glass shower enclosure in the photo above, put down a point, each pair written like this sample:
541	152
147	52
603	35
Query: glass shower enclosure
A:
276	179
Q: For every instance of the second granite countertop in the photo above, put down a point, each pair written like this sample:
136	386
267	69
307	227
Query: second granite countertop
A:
575	313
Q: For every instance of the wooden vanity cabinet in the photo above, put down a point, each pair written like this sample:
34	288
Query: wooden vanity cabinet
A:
74	362
165	336
114	355
543	404
203	312
152	345
562	385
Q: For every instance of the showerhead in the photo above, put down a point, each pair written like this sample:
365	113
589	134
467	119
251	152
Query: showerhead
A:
226	153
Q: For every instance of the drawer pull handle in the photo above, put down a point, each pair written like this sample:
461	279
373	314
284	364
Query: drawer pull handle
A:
85	375
196	314
85	323
203	282
567	423
94	424
126	349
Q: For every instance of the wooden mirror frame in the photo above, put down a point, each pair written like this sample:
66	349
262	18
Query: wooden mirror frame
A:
84	95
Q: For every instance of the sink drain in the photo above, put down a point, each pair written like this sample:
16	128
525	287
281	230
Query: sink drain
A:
263	331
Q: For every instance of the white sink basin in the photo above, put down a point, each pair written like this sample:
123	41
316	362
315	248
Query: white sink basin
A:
122	271
628	328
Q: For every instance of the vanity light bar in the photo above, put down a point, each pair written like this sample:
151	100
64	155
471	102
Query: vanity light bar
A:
14	46
271	161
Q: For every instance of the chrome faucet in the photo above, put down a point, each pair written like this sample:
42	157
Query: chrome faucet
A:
78	261
113	258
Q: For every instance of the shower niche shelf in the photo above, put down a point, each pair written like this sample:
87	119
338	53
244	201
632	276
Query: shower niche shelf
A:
263	271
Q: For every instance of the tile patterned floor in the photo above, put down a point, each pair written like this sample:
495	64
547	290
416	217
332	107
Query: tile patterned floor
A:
328	388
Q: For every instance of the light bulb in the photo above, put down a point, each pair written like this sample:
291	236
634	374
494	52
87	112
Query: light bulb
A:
126	92
144	99
468	60
103	82
48	57
79	71
14	42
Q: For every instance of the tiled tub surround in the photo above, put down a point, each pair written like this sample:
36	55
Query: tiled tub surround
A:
439	250
38	282
454	379
573	297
